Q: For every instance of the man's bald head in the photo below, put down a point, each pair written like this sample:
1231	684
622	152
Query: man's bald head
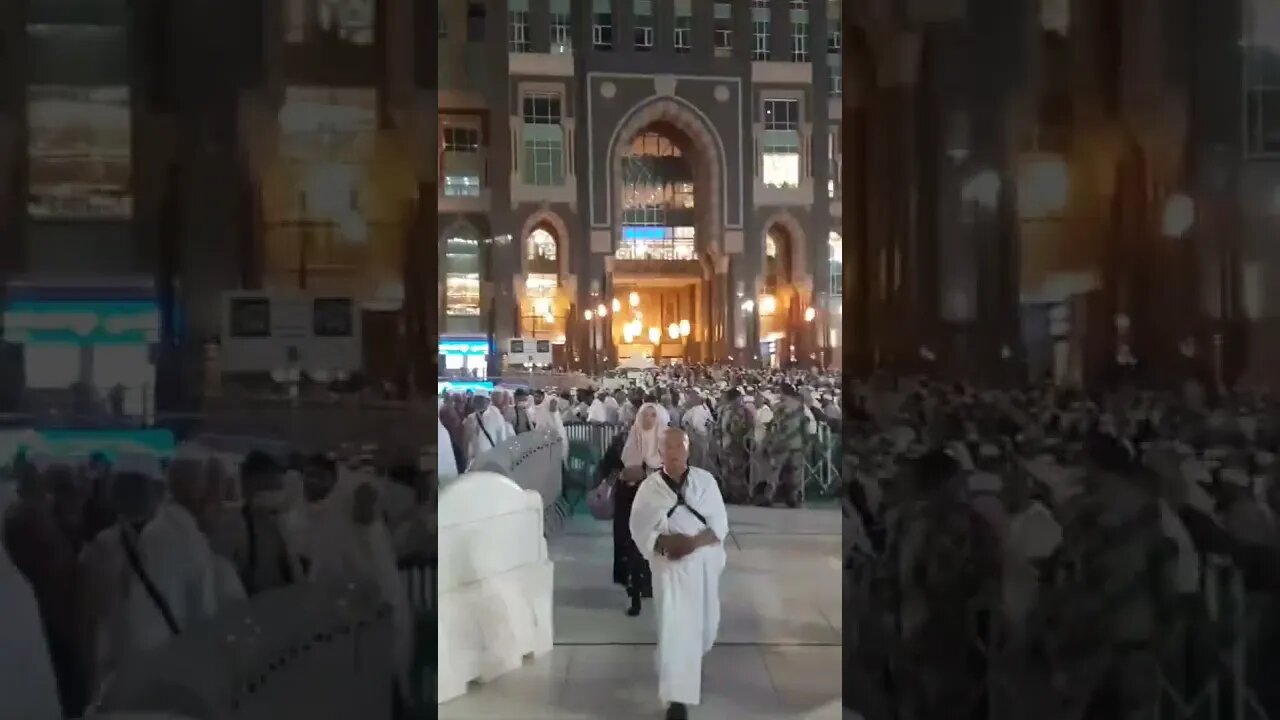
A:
675	451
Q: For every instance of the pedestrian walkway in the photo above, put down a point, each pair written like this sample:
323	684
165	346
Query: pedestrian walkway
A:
778	655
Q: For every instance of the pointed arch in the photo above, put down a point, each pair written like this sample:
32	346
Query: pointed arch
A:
710	165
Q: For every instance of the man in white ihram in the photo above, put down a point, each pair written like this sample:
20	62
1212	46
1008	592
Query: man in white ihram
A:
679	523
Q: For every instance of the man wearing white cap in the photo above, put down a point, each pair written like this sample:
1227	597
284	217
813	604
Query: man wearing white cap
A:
485	428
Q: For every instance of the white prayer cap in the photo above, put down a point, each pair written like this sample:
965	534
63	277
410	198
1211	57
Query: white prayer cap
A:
1235	477
481	392
139	463
984	482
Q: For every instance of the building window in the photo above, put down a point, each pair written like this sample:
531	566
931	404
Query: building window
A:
782	114
833	162
780	156
836	261
643	17
835	67
462	277
543	162
780	160
462	161
724	27
800	36
684	26
518	40
602	25
760	30
561	32
542	245
835	38
657	242
1262	78
476	18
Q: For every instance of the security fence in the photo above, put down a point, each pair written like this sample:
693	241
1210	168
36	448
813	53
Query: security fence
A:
822	454
1200	668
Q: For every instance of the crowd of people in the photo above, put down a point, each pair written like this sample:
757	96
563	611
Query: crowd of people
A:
1049	553
105	559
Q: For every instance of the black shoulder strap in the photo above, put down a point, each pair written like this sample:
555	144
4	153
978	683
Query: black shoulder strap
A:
483	429
158	599
680	501
251	562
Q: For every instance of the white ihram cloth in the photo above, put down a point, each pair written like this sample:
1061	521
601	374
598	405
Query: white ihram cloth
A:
28	688
344	552
687	590
446	464
597	413
498	431
126	620
1034	535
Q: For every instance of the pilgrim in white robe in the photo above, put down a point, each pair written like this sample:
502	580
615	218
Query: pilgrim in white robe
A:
687	590
446	463
128	621
344	551
28	687
485	431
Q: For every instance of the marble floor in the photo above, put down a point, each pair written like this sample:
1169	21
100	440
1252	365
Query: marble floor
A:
778	655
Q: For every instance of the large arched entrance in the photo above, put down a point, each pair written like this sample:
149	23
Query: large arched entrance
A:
663	297
782	304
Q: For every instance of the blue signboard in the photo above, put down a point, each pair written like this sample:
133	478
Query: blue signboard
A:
470	348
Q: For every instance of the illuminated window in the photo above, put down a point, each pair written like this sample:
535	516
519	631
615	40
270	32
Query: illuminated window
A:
542	245
348	21
543	137
518	14
770	246
643	20
837	263
780	143
79	152
650	242
561	27
462	277
835	71
462	161
834	181
541	286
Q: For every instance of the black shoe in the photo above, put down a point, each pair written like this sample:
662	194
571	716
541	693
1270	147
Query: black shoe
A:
634	610
677	711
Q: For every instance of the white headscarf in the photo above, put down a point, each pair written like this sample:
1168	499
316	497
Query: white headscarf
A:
642	446
27	682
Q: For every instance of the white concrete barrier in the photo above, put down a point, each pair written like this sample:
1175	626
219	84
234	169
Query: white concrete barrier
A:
321	653
495	583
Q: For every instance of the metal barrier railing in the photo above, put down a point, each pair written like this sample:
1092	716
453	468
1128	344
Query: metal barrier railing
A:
1224	694
534	460
822	454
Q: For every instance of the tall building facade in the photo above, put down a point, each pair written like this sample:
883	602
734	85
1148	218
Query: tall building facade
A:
635	179
1081	189
192	149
